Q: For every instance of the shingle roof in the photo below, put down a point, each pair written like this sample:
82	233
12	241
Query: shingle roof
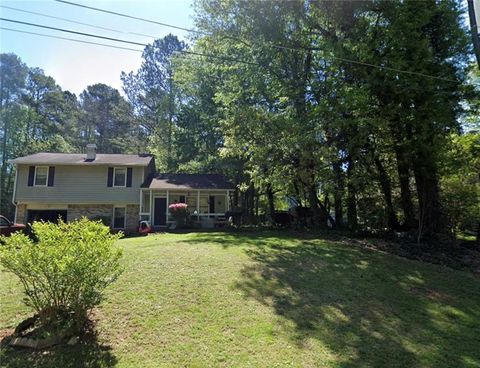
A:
44	158
187	181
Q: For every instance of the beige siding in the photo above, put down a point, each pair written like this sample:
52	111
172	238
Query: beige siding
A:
78	184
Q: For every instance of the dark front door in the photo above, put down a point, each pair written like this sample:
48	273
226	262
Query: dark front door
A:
160	212
211	204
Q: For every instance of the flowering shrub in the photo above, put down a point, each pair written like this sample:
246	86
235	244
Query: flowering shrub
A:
179	212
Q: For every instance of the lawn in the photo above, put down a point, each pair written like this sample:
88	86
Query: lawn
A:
268	300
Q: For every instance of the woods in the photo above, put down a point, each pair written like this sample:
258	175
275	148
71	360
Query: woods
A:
365	114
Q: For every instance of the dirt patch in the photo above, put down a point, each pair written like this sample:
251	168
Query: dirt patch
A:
5	334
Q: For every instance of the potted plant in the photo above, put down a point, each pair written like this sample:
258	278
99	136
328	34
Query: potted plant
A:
179	213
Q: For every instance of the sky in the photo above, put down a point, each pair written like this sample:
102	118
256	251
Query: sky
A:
74	66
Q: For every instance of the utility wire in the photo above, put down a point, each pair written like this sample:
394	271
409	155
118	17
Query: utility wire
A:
191	30
130	16
70	39
371	65
74	32
223	58
272	45
75	22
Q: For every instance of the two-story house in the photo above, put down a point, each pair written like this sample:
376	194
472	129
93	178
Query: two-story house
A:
119	189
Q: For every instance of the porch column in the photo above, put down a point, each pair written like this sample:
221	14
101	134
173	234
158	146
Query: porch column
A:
167	208
141	205
151	207
198	203
227	201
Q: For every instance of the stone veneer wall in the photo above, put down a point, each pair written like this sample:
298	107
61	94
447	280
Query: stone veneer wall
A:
21	213
133	211
105	212
90	211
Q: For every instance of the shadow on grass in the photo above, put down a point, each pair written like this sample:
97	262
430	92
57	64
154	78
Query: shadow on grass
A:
368	308
87	353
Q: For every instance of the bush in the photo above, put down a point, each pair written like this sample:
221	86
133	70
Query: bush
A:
179	213
67	270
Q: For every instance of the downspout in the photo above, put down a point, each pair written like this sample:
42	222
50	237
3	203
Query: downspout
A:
14	202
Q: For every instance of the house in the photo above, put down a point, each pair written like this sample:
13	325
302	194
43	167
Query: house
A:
119	189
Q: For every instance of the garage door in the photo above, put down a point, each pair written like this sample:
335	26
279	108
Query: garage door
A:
46	215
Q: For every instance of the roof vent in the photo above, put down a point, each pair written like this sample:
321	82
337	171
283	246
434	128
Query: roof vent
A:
91	151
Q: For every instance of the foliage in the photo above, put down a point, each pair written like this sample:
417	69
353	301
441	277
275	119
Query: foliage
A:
68	268
460	185
344	107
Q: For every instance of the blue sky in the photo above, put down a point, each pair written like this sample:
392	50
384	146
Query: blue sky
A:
74	65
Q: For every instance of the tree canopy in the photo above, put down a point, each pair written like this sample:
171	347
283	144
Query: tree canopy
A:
363	113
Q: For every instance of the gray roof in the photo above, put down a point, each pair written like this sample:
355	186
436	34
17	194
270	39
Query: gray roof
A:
44	158
187	181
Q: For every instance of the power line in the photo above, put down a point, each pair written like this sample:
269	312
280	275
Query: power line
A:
272	45
144	20
232	59
130	16
74	21
223	58
73	32
70	39
371	65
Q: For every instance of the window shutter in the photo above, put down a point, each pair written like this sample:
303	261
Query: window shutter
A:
31	175
51	176
110	177
129	177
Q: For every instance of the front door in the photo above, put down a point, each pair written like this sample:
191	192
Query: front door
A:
160	212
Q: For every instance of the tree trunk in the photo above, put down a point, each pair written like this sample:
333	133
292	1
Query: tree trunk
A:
338	194
250	203
386	187
478	234
430	214
313	199
474	30
351	197
403	169
271	202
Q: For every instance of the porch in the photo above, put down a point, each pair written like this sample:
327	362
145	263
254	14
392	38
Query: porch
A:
207	207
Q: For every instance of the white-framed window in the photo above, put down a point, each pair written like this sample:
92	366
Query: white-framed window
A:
119	177
145	202
41	176
119	217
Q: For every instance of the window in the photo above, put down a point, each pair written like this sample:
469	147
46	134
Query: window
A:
119	217
204	204
41	176
119	177
145	202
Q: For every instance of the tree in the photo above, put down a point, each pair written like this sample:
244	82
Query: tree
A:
12	84
106	120
154	95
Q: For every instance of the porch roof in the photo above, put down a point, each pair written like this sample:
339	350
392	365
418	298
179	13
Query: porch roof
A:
187	181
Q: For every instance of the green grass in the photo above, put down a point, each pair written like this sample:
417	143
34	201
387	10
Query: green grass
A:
269	300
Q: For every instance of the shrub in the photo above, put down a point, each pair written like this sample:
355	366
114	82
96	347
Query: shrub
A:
179	213
67	270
